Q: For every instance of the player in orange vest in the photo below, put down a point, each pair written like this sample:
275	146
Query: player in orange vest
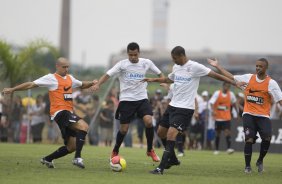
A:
73	128
259	90
221	102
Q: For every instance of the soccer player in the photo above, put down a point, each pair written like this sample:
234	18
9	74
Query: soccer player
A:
221	102
258	93
73	128
133	95
186	76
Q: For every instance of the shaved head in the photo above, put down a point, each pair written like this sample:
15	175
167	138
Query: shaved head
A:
62	66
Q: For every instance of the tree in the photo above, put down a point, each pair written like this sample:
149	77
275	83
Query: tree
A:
23	64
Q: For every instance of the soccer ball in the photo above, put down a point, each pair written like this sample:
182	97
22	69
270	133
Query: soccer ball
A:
118	164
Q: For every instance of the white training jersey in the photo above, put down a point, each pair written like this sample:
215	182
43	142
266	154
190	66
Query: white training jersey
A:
49	81
273	88
130	77
186	82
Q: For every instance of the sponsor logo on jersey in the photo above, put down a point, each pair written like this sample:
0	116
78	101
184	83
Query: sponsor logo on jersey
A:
222	108
135	76
182	79
68	96
255	99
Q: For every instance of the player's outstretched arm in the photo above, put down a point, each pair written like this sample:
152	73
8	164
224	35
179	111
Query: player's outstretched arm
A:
23	86
223	71
226	79
88	84
102	80
160	80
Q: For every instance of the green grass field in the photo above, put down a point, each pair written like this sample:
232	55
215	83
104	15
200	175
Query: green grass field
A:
20	164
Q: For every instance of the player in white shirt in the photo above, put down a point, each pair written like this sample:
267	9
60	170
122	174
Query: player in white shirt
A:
186	76
133	95
259	93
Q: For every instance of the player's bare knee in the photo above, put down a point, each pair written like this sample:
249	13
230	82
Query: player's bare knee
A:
71	148
82	125
161	133
148	121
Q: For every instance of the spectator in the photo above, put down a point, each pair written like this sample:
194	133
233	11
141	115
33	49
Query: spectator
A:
106	123
38	119
17	111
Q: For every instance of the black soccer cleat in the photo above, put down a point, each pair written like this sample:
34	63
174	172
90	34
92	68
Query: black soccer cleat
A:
157	171
47	163
172	163
248	170
259	165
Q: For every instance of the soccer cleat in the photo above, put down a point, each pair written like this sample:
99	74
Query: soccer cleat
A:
78	162
180	154
216	152
259	165
153	155
230	151
157	171
47	163
114	154
172	163
248	170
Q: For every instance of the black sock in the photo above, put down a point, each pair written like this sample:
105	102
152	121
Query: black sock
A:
62	151
164	142
263	149
217	138
228	141
119	140
150	136
167	153
248	153
80	140
179	140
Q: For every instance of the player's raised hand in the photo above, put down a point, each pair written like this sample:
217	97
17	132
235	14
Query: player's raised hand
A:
241	85
213	62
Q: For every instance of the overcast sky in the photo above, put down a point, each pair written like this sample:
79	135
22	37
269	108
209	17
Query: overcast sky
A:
102	27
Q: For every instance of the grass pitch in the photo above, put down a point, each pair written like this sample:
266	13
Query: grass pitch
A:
20	164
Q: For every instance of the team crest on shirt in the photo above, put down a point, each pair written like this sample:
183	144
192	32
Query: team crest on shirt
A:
144	65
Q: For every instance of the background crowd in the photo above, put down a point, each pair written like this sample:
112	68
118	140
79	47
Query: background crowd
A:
26	120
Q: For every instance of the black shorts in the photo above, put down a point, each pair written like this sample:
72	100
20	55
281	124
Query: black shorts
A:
222	125
254	124
65	119
178	118
127	109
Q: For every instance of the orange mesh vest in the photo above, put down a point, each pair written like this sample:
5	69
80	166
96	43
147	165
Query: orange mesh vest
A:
222	106
257	98
61	98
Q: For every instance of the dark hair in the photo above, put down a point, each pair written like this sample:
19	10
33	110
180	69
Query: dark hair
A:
178	51
133	46
264	60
